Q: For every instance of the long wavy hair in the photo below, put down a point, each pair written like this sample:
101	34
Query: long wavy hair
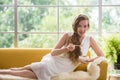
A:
74	38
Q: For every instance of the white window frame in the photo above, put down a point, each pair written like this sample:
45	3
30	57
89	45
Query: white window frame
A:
15	6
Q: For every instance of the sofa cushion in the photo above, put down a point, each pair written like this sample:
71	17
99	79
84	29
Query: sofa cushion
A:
18	57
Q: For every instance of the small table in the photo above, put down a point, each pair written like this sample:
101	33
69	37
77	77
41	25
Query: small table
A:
115	75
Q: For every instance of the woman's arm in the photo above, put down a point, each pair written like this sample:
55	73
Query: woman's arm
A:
59	46
96	48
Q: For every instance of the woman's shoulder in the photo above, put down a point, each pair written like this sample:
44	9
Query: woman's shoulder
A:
89	38
67	34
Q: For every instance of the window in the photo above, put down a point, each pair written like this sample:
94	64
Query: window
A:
40	23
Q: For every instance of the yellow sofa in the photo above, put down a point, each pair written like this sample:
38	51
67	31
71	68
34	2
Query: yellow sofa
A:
18	57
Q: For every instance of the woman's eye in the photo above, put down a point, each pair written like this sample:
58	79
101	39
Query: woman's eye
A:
85	26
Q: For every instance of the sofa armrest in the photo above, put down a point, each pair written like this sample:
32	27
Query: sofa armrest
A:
103	69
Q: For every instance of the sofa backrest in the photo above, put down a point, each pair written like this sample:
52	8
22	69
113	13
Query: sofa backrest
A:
18	57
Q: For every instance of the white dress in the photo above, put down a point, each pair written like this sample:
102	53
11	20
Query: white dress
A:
53	65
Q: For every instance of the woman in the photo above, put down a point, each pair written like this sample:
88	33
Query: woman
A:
64	57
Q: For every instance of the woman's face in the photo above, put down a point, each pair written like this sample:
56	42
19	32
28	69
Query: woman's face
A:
82	27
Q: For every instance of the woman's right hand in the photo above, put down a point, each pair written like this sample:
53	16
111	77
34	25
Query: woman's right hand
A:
71	47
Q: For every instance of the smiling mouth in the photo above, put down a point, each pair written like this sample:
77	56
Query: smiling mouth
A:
81	32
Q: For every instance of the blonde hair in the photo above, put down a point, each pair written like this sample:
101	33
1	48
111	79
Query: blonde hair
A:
74	38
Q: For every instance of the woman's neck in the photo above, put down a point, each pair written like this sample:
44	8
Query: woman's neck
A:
81	38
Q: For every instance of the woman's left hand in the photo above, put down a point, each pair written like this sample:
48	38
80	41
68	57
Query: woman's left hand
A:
92	59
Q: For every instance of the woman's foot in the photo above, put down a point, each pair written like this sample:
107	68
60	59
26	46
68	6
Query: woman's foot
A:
4	71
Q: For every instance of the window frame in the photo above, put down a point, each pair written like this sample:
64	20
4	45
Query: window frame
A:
16	6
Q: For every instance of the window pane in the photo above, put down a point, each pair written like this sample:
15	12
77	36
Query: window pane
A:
78	2
111	2
37	40
6	40
37	2
3	2
6	19
111	19
37	19
68	14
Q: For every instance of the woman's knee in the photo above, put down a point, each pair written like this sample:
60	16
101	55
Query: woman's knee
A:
30	74
24	73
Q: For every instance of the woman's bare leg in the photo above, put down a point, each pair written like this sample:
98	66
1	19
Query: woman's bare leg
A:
21	73
25	71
